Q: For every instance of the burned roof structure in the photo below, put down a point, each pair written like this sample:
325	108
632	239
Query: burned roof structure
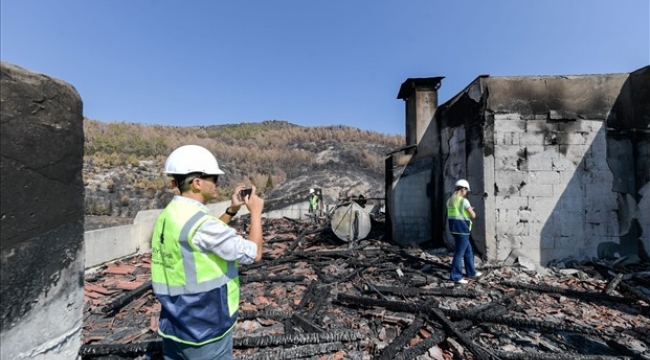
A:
313	295
558	165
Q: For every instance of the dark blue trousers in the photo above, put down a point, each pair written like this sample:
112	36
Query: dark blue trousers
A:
462	253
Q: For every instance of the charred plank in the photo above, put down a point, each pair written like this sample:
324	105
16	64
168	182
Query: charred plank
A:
297	339
569	292
411	353
396	345
530	356
294	352
263	278
478	351
125	298
405	291
478	317
305	324
264	314
129	350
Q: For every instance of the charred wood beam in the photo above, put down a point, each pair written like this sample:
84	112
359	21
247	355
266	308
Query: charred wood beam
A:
613	284
336	253
89	351
264	314
627	289
368	287
297	339
498	306
396	345
464	324
505	319
478	351
478	317
624	350
125	298
305	324
264	278
530	356
411	353
434	264
269	263
300	237
448	292
568	292
351	274
308	295
293	353
321	275
288	327
322	295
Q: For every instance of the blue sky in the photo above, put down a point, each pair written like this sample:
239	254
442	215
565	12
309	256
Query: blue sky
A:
312	63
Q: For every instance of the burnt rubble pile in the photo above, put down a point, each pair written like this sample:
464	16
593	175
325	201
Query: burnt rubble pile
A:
315	297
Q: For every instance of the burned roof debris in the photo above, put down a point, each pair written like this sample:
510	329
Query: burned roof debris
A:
314	296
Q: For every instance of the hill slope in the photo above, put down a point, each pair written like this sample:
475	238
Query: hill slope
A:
123	162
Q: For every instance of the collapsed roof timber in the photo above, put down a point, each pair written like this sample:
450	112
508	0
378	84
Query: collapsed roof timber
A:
313	296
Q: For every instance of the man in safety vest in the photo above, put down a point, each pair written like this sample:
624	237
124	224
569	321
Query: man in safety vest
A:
459	217
314	206
195	257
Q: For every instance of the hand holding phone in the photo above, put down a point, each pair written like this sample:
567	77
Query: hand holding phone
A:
244	193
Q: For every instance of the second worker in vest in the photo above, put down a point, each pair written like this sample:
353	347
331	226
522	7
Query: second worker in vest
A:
195	258
459	216
314	206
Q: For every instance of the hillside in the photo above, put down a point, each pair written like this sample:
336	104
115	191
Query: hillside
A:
123	162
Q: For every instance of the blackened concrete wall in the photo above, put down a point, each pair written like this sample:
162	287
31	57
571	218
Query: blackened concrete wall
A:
557	164
41	248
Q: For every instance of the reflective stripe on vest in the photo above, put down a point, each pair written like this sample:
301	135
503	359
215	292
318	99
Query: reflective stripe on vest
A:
459	219
187	253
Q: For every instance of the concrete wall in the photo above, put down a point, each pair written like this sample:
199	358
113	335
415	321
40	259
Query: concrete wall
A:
557	165
411	212
41	248
552	200
109	244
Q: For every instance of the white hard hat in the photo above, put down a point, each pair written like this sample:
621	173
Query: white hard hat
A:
311	191
462	183
189	159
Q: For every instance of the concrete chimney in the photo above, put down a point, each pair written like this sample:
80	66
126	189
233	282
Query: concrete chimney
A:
421	97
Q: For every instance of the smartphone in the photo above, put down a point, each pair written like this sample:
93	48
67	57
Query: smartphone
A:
244	193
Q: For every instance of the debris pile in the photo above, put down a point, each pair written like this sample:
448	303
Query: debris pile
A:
315	297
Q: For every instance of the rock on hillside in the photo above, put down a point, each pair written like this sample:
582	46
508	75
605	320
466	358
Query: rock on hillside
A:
123	191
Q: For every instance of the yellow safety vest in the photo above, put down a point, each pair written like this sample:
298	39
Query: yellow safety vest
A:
459	219
199	292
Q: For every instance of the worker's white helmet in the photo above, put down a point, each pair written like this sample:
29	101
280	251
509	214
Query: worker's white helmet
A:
462	183
311	191
189	159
